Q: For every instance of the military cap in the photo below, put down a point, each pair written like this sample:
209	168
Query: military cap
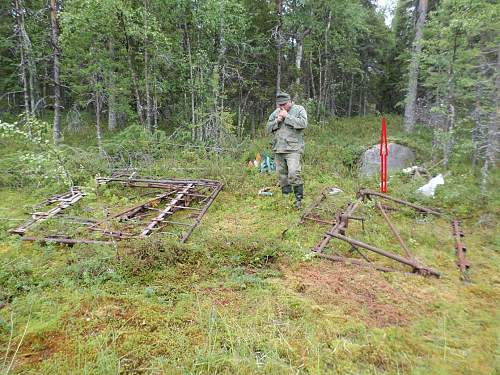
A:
282	98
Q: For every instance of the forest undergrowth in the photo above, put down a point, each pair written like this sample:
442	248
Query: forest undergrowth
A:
244	295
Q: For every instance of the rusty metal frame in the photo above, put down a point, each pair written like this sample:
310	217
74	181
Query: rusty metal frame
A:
308	212
365	193
340	226
62	201
460	250
177	195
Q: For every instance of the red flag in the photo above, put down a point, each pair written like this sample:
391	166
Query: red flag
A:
384	151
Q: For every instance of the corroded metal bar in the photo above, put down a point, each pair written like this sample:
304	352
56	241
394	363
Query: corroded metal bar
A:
395	231
69	241
340	225
111	233
103	180
460	248
313	206
197	221
410	262
365	192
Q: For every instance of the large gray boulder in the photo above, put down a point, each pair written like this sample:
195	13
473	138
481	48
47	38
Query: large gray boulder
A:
399	157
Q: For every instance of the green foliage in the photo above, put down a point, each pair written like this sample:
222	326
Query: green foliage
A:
92	268
351	155
27	143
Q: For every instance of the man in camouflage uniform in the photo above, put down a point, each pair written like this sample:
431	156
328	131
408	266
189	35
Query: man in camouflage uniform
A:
287	124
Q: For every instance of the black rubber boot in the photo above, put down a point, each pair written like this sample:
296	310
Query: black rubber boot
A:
299	194
285	190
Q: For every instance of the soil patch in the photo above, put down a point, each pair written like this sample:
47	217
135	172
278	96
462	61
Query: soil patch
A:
361	293
41	346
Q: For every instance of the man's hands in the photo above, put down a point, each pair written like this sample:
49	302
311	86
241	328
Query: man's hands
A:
282	115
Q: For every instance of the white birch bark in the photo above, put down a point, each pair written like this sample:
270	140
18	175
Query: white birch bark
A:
55	61
411	95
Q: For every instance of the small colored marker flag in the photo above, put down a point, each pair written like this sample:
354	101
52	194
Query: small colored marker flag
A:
384	151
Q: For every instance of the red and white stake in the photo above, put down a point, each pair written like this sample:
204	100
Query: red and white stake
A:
384	151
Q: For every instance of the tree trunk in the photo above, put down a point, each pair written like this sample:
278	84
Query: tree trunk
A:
491	156
29	61
450	98
57	84
32	76
146	69
349	109
111	108
222	73
19	14
155	106
279	9
326	66
478	131
191	83
365	101
111	90
132	71
360	103
313	87
298	60
411	95
320	88
98	105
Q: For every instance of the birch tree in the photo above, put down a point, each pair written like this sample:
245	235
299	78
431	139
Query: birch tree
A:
411	94
55	69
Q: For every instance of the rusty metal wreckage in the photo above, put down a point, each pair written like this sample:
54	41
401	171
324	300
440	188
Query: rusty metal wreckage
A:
181	195
141	220
340	223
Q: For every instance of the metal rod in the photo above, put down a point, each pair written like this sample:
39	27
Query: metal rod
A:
360	253
313	205
460	248
416	266
339	225
176	222
365	192
111	233
132	211
153	181
395	231
211	198
68	241
187	208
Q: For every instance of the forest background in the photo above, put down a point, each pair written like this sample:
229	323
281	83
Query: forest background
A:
206	71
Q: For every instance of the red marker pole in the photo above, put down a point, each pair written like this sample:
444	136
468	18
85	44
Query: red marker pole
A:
384	151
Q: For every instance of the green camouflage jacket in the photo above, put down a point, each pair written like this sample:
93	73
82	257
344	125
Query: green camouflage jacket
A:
287	134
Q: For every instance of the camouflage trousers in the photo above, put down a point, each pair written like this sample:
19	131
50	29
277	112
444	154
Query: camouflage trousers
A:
288	169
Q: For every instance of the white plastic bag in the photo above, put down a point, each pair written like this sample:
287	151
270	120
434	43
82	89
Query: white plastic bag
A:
430	188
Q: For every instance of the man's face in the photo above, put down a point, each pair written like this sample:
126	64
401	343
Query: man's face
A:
286	106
